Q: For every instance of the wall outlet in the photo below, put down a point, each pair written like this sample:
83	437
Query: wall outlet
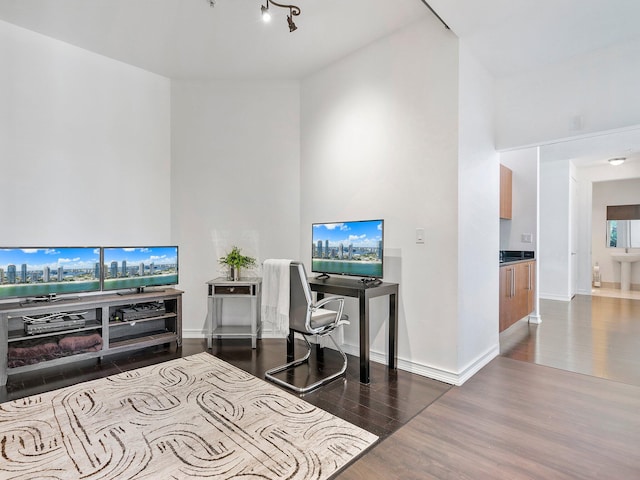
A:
526	238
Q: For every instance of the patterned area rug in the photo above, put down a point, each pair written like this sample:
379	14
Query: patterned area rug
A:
192	417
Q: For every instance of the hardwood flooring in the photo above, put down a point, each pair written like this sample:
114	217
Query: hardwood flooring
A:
516	420
562	401
388	402
593	335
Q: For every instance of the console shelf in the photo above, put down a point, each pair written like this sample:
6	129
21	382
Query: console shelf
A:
40	335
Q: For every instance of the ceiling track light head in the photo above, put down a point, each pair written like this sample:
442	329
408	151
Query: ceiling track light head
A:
266	14
294	11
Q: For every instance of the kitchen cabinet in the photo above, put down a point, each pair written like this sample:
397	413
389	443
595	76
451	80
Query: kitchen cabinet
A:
506	180
517	292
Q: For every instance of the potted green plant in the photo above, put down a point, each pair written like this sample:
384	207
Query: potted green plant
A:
235	260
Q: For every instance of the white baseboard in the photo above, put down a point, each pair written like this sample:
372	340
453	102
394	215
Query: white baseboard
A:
431	372
535	319
402	364
552	296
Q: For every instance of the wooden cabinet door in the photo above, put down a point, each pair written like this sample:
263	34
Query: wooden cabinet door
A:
531	291
506	180
507	295
517	292
523	282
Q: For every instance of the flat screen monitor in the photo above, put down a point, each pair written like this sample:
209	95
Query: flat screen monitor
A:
139	267
48	271
354	248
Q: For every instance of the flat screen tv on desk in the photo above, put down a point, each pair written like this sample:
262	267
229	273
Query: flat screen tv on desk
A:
139	267
354	248
41	273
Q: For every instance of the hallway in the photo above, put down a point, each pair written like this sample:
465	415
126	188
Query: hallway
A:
595	335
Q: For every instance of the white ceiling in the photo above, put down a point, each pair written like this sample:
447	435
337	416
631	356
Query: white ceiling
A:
187	39
513	36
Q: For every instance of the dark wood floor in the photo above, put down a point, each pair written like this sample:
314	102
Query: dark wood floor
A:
563	400
388	402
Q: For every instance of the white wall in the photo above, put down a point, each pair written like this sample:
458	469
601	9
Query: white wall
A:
235	179
591	93
379	140
619	192
554	254
524	165
478	222
84	146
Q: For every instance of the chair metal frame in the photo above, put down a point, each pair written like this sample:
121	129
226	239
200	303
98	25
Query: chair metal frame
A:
329	321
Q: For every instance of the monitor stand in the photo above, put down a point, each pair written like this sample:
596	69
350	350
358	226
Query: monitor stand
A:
371	282
131	291
322	275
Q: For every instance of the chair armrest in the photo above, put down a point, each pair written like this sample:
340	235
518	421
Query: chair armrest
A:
326	300
338	320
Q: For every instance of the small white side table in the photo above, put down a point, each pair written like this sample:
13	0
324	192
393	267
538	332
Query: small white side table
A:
221	288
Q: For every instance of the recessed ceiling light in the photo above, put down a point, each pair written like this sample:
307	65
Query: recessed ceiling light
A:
616	161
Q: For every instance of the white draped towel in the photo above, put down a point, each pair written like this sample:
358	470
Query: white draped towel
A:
275	294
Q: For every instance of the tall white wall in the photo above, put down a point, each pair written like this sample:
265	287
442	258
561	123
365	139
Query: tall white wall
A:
84	146
235	180
478	212
379	140
554	254
591	93
617	192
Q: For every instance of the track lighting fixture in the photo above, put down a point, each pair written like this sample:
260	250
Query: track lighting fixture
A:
293	11
266	13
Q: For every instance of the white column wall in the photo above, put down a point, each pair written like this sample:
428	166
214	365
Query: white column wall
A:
235	181
84	146
379	140
478	222
555	231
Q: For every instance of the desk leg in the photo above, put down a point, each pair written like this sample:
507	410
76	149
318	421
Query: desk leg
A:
393	331
290	346
364	338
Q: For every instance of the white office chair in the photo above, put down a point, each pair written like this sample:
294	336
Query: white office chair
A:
308	318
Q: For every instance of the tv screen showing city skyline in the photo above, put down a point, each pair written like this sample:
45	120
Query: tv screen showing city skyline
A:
135	267
33	272
348	248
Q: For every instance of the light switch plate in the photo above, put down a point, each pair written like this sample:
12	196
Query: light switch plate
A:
419	235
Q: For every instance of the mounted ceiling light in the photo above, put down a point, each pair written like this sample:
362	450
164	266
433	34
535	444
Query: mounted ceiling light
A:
616	161
293	11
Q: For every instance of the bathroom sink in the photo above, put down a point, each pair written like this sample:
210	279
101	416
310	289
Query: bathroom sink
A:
625	259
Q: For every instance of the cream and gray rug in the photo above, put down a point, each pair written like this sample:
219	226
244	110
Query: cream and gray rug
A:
187	418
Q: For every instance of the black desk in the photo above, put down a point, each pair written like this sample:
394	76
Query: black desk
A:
348	287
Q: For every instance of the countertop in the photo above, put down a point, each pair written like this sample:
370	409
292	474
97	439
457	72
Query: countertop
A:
510	257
